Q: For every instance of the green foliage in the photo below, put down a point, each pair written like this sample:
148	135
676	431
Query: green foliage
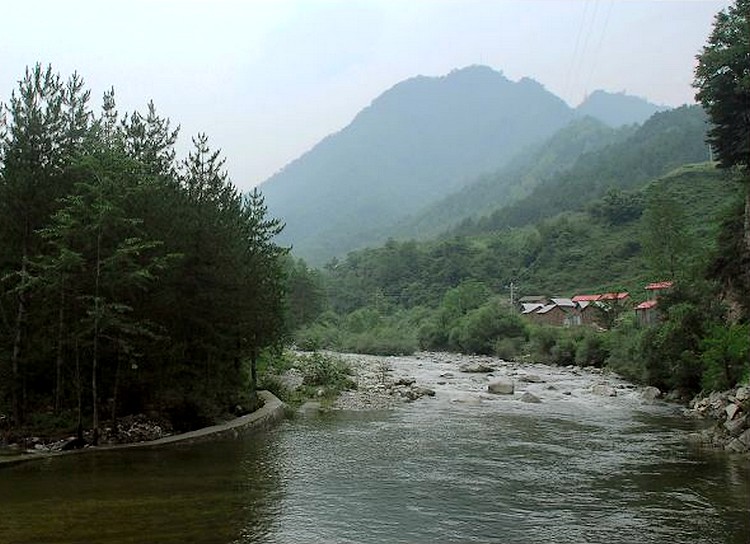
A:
480	330
724	86
625	349
665	239
305	294
128	280
664	142
325	370
618	207
724	356
363	331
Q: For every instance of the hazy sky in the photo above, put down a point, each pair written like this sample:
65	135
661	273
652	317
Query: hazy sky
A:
266	80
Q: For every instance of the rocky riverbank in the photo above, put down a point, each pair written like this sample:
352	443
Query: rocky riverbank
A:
385	382
728	413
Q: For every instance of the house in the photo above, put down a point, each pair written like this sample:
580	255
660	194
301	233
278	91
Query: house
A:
601	309
530	307
646	312
594	310
559	312
551	314
658	288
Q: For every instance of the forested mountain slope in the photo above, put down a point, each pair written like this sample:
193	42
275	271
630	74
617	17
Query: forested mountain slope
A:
597	248
418	141
414	144
524	172
664	142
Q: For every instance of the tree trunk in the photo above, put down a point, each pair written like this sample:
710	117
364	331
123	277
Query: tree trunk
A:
95	354
60	338
113	414
79	391
17	385
253	369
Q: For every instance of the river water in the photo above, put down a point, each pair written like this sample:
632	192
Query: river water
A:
460	467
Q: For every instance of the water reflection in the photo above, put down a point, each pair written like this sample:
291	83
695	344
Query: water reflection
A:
213	492
427	472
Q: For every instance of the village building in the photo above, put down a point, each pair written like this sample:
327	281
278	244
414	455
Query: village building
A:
646	312
591	310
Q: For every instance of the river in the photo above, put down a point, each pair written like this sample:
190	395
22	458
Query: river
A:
463	466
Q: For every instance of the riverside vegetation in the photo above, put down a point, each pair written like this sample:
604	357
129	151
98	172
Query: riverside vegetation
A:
131	282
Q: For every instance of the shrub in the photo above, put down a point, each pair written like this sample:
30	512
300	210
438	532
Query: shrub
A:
326	371
725	356
481	329
509	348
591	349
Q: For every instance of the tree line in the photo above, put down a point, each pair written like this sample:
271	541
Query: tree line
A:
130	281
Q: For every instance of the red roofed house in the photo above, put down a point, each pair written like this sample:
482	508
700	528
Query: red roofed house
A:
600	309
645	312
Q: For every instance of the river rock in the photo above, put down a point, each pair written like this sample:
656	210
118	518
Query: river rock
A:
406	382
531	378
745	438
477	368
650	393
735	426
418	392
531	398
603	390
742	394
501	387
731	411
735	446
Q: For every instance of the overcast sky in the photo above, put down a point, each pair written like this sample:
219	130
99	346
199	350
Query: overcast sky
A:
267	80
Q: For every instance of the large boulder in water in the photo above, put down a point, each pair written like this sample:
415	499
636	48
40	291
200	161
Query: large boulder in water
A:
650	393
501	387
530	397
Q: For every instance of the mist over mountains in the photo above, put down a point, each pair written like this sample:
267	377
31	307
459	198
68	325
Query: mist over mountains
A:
423	140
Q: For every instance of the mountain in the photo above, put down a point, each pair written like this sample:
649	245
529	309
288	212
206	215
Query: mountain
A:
516	180
416	143
617	109
666	141
432	151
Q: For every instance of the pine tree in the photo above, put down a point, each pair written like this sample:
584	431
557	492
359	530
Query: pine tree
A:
723	82
49	122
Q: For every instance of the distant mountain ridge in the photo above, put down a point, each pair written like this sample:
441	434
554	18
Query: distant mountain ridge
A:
514	181
617	109
418	142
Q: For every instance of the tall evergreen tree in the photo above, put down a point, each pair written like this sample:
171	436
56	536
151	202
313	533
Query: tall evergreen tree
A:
49	122
723	82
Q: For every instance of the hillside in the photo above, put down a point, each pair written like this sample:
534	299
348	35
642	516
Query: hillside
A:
664	142
617	109
516	180
417	143
561	254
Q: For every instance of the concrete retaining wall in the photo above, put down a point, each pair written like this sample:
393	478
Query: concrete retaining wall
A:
268	415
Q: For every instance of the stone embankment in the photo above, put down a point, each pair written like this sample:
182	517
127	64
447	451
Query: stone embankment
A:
729	412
